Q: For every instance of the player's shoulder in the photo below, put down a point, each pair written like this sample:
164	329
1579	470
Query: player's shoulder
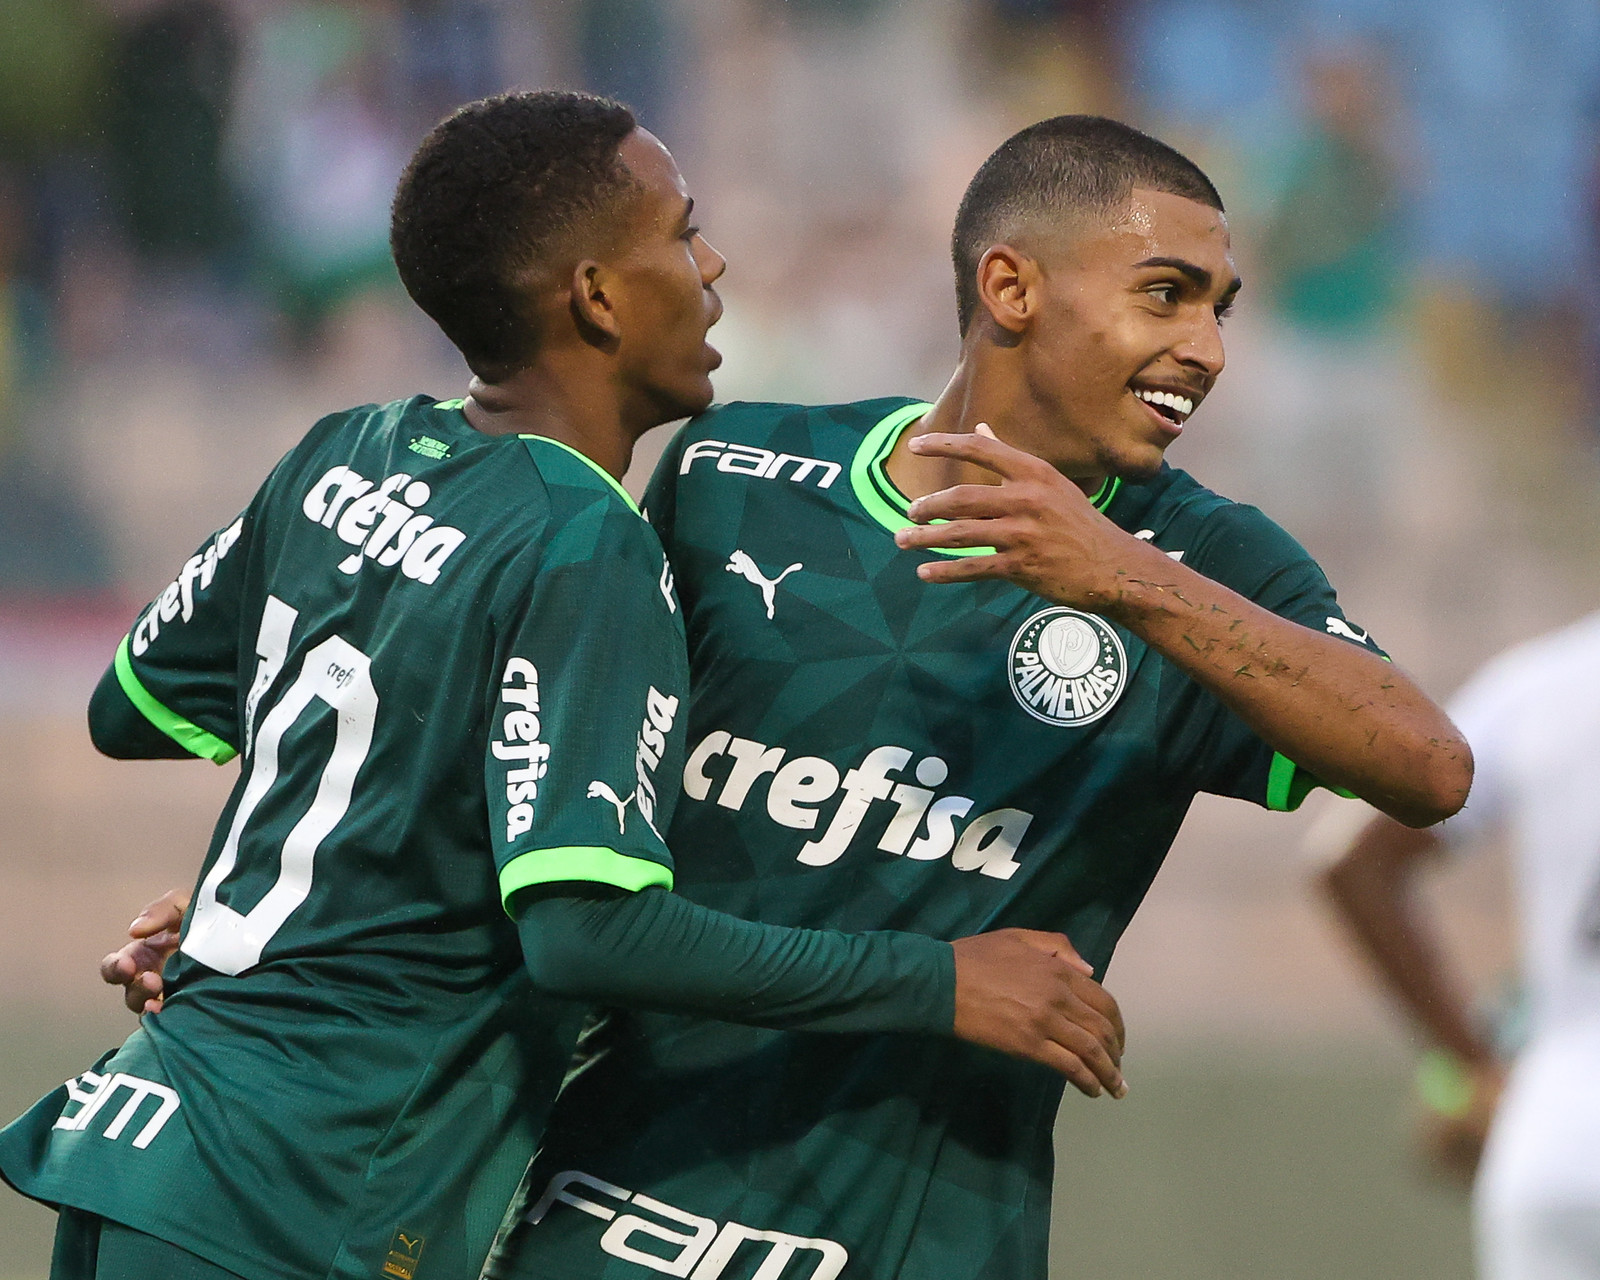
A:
590	515
762	424
1181	515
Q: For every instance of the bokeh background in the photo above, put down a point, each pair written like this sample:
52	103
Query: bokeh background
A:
193	197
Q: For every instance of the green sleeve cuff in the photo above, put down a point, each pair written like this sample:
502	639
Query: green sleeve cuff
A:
1288	785
188	735
593	863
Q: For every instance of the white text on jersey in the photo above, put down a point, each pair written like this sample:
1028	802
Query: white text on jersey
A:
700	1247
660	711
91	1091
922	828
763	464
178	598
519	685
380	525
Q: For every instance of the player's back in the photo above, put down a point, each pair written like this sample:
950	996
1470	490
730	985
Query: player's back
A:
349	1042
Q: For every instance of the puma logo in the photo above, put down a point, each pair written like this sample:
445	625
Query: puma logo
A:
1339	627
600	791
746	568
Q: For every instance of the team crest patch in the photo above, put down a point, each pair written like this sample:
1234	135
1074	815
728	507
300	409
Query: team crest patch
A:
1067	667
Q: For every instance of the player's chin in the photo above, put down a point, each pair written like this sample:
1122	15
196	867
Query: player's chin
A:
693	395
1135	461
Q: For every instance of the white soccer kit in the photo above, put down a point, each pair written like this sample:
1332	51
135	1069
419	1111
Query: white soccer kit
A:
1532	716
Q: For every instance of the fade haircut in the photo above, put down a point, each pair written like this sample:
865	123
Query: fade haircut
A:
496	194
1059	169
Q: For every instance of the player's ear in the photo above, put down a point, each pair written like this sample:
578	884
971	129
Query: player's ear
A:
1008	289
594	303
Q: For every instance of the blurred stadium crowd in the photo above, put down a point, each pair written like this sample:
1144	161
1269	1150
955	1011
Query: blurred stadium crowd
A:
193	203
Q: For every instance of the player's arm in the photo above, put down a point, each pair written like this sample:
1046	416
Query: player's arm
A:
1373	889
1019	991
171	689
1336	709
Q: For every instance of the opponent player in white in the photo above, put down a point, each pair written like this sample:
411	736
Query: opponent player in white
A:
1533	718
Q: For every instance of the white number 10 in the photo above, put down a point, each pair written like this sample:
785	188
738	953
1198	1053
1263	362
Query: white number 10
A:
340	674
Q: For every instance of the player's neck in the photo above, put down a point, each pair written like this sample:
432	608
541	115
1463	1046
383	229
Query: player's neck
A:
980	390
533	402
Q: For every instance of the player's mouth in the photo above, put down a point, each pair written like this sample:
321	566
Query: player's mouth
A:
714	356
1169	406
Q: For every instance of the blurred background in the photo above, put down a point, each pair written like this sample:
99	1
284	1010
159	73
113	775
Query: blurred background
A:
193	268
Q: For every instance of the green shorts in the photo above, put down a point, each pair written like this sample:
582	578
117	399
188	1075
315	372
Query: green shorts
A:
89	1247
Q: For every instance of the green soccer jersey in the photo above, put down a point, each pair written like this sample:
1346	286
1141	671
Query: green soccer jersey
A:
452	666
868	751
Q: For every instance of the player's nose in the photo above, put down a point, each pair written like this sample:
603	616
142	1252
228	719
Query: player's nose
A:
1201	347
712	264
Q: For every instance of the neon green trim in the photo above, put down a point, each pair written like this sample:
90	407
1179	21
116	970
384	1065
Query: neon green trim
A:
448	404
188	735
593	863
888	506
1443	1084
1288	785
876	492
1106	494
594	466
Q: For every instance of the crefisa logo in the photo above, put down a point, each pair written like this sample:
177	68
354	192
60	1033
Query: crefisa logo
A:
1066	667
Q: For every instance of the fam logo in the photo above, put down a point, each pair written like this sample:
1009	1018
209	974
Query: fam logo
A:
92	1091
1066	667
651	1233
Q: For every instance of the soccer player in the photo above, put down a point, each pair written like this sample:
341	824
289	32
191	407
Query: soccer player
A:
894	726
1534	721
448	651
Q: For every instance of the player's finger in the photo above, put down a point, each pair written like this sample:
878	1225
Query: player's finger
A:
166	912
1087	1047
159	946
1093	1024
956	533
1096	997
1083	1061
981	450
1055	944
965	569
964	501
117	968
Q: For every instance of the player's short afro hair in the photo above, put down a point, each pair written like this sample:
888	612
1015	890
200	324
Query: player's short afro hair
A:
1054	170
495	192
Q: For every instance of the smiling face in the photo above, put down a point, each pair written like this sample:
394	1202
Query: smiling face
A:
1125	340
665	300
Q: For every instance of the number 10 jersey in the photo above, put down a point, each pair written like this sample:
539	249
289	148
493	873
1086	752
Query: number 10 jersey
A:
452	666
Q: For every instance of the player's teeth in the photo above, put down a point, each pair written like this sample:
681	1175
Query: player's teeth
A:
1177	403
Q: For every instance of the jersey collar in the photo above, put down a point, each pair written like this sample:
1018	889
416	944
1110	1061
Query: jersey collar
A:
887	505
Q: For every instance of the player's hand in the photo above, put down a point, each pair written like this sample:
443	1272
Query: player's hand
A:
1452	1138
1031	995
136	967
1046	534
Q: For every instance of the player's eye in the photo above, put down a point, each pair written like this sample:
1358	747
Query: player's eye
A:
690	233
1166	294
1224	310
